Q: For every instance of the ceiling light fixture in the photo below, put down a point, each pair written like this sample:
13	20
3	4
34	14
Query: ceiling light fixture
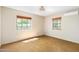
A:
42	8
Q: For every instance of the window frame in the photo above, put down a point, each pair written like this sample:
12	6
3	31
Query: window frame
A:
56	23
23	18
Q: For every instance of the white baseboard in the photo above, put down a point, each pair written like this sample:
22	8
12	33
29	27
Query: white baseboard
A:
64	39
20	40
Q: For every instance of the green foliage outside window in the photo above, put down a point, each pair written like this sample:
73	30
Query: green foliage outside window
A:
56	24
23	23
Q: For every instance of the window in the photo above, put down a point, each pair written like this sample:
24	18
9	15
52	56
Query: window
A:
56	23
23	23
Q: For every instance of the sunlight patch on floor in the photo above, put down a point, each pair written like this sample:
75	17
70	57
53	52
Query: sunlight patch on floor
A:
33	39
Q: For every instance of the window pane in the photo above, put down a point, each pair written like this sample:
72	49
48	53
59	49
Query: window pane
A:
57	24
19	20
23	24
59	21
19	25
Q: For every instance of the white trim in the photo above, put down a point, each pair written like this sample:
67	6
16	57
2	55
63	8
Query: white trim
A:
64	39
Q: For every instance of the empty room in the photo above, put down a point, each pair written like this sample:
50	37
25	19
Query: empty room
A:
39	28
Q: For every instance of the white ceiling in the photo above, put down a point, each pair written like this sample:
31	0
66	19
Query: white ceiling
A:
48	9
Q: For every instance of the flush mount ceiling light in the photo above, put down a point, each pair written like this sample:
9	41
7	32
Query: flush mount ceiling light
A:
42	8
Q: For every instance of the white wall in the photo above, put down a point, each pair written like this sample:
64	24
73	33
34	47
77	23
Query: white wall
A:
0	26
8	25
10	34
69	28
